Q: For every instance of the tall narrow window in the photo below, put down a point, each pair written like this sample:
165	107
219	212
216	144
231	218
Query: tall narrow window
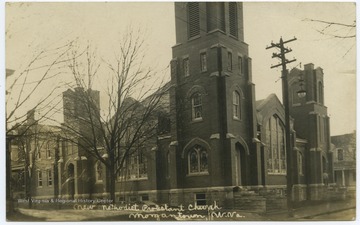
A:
203	63
229	62
135	166
194	19
240	65
340	154
142	163
98	172
194	161
233	19
300	164
48	151
49	175
321	128
203	160
40	178
198	160
236	105
275	142
38	150
321	93
196	107
186	67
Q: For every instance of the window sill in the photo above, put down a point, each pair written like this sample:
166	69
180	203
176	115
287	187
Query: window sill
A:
197	120
197	174
132	179
194	38
234	37
277	174
236	118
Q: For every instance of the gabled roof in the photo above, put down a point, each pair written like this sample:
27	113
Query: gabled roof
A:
267	107
261	103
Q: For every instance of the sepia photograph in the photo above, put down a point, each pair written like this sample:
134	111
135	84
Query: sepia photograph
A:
179	111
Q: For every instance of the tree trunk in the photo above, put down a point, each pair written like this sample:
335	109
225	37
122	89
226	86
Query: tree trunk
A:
28	180
110	181
112	186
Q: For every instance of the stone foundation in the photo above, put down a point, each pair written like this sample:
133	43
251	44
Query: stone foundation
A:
249	201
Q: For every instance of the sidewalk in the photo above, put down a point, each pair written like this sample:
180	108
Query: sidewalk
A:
309	211
302	213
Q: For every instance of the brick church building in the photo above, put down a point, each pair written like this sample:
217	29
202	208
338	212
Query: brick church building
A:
223	144
221	137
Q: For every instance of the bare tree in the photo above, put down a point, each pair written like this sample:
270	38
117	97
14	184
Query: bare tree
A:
126	128
22	90
22	94
347	31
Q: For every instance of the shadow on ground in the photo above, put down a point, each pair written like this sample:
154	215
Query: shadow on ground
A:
17	216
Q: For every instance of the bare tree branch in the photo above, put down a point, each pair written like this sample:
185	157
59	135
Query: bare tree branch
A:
130	121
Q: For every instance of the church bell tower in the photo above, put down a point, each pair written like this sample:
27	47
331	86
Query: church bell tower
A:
213	138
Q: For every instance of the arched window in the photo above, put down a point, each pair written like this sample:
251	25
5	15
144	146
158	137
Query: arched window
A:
275	143
197	160
196	102
236	105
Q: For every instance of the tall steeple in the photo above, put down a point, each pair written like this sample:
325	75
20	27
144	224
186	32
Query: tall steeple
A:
212	95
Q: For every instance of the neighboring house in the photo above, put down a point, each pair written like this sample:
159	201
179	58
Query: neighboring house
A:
344	148
33	159
214	139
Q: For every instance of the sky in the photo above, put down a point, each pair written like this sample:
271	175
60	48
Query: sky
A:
32	26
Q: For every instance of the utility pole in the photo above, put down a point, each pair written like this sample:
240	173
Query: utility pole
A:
285	93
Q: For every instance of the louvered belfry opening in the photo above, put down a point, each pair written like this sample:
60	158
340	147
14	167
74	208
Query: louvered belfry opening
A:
215	12
233	19
194	19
